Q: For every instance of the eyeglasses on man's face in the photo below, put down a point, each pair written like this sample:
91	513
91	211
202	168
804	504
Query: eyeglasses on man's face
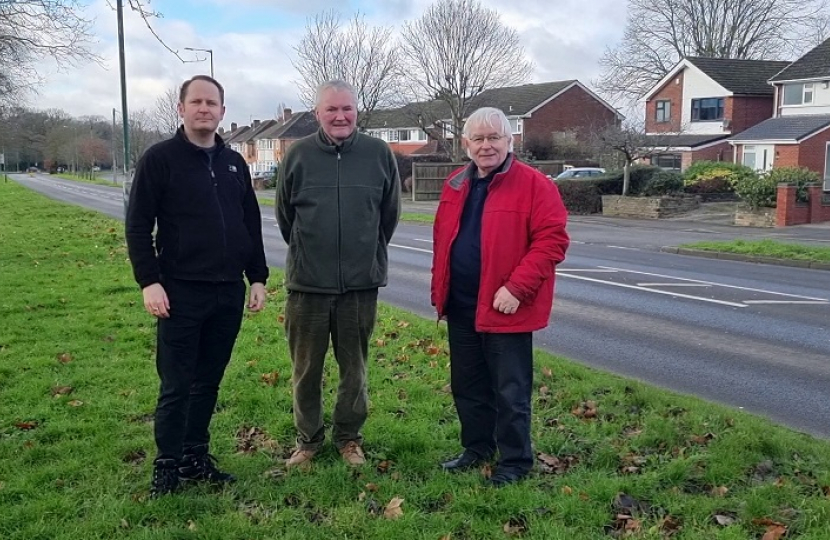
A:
492	139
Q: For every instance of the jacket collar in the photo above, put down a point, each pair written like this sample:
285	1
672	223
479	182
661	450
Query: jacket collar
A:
217	139
327	145
469	172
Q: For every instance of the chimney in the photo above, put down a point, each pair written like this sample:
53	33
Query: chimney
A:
286	113
256	123
233	126
221	130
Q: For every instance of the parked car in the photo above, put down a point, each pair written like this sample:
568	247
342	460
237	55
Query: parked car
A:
580	172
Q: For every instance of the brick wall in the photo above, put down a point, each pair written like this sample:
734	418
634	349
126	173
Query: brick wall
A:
786	155
813	152
672	91
575	110
718	152
789	212
744	112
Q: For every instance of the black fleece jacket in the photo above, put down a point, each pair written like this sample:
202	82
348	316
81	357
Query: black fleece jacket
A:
206	215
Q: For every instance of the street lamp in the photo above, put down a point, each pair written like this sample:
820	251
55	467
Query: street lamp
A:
209	51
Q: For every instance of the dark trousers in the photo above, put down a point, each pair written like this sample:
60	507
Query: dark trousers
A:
193	348
311	320
491	380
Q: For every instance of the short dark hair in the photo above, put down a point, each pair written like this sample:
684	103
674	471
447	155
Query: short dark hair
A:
211	80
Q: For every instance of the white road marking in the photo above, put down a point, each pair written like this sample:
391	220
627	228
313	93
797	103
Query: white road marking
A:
673	285
592	270
411	248
427	240
777	302
656	291
716	284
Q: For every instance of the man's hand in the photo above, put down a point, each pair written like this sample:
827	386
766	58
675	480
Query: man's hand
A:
256	299
155	301
505	302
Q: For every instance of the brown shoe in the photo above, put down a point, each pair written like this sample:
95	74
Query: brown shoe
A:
300	458
353	454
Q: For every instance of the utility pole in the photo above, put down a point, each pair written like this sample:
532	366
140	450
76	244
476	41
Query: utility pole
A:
114	151
124	117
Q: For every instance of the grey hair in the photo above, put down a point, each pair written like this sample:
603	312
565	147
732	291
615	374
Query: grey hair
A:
338	86
492	118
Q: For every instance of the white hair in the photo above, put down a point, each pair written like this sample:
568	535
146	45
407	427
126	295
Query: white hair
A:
490	117
338	86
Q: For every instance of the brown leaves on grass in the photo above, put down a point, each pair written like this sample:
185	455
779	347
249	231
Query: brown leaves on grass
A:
554	465
586	410
270	378
393	510
134	457
632	463
547	372
64	358
515	526
629	513
384	466
58	391
774	529
26	425
724	519
702	440
75	403
250	440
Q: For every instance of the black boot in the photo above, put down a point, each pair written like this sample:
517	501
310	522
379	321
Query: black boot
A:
165	478
202	467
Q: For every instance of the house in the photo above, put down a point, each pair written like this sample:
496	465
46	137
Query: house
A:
701	102
535	111
798	134
284	134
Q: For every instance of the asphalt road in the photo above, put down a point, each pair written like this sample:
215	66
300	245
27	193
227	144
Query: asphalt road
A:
751	336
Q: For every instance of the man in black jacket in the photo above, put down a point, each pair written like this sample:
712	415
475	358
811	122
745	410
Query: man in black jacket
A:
197	193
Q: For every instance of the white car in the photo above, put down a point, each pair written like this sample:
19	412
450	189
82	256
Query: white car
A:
580	172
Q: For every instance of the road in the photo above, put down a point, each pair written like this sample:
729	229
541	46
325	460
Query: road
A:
751	336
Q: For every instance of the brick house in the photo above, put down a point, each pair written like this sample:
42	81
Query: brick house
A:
701	102
535	111
798	134
284	134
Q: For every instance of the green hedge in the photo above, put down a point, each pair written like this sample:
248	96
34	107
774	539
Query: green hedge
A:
639	175
663	183
580	196
761	190
715	176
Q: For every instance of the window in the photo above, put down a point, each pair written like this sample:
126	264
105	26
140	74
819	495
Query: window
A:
798	94
669	162
403	135
707	109
420	135
663	111
515	125
758	157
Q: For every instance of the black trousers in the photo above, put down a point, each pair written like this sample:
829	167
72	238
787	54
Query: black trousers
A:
491	381
193	348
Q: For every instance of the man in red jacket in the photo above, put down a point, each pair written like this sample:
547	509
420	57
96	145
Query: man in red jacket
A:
499	234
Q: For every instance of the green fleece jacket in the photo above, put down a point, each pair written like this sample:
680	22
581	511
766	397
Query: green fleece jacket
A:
337	207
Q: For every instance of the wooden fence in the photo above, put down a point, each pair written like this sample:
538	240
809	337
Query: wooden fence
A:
428	178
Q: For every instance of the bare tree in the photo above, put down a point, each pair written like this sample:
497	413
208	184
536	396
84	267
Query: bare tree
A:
631	143
359	54
457	50
35	30
166	113
659	33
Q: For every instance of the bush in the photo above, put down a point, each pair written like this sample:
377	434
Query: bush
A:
762	190
799	176
663	183
580	196
640	175
714	176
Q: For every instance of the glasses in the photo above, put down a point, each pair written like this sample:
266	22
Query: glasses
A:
492	139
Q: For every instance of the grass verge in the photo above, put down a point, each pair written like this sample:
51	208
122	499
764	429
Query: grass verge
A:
78	386
101	181
767	248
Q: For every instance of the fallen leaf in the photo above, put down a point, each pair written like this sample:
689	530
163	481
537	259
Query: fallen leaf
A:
544	390
780	482
280	319
64	358
251	363
432	350
124	524
669	525
135	457
395	475
253	439
719	491
393	510
826	491
270	378
704	439
191	525
567	490
361	496
384	466
380	343
372	487
433	364
515	526
447	389
61	390
25	426
75	403
403	324
547	372
774	532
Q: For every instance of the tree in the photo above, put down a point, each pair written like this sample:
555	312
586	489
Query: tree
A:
631	143
457	50
166	113
34	30
363	56
659	33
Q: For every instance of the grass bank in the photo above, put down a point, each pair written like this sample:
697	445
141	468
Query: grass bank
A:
766	248
97	178
78	386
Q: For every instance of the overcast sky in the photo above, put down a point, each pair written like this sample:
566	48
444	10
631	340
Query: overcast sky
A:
253	40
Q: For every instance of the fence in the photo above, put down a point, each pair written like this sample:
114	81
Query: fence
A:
428	178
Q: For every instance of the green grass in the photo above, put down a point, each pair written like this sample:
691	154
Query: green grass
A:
417	217
767	248
76	465
100	178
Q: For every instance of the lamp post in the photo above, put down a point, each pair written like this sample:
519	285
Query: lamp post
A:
209	51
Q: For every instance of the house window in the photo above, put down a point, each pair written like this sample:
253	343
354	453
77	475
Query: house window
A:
798	94
707	109
758	157
671	162
420	135
403	135
515	125
663	111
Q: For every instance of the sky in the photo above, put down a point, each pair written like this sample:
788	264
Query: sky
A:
253	40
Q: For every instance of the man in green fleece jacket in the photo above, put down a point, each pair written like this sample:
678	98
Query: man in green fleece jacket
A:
338	203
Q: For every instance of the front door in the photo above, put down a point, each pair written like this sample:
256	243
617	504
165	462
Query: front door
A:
759	156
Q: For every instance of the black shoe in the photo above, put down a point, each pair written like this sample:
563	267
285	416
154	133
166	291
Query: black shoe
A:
165	478
501	479
202	468
465	461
